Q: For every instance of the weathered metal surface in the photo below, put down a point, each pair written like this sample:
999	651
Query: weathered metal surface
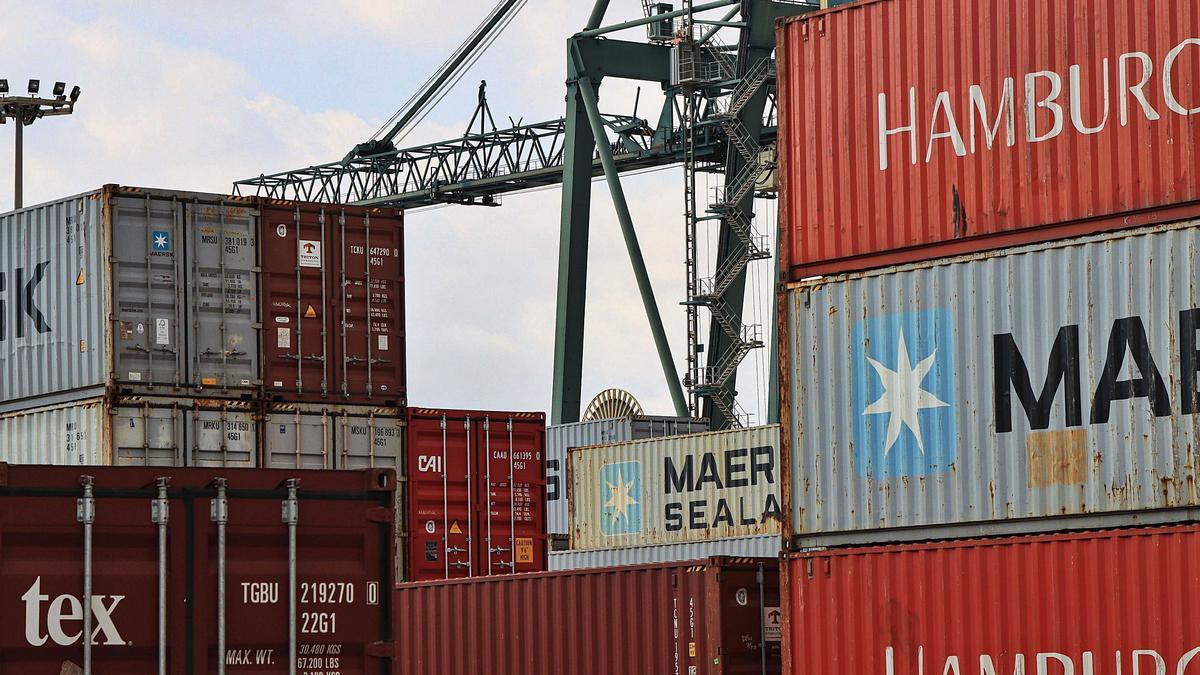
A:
762	546
709	617
1102	602
68	435
314	436
676	490
563	437
342	570
1037	121
54	302
1050	380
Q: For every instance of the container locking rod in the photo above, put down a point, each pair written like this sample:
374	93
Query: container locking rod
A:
159	515
291	516
219	513
85	512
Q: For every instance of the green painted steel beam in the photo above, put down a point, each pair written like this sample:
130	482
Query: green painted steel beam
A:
657	17
670	372
624	60
597	15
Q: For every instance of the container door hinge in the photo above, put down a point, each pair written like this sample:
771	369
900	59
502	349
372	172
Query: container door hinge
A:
381	650
379	514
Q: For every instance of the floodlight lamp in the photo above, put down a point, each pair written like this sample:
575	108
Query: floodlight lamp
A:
3	86
74	94
34	85
60	88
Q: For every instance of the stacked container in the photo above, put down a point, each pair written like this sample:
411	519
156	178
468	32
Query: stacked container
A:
996	333
167	328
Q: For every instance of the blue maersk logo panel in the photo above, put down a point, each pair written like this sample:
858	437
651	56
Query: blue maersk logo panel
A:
160	241
620	489
903	374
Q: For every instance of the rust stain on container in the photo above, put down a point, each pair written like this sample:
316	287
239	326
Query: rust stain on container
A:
1057	457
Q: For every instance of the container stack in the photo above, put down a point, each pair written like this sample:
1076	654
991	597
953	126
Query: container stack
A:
138	327
994	335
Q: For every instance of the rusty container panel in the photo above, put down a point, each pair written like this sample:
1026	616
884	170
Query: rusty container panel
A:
698	487
997	390
342	570
477	493
1110	601
709	617
318	344
1051	121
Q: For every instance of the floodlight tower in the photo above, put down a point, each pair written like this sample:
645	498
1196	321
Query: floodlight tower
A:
25	110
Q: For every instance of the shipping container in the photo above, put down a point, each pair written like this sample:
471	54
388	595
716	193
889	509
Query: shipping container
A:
1101	602
761	546
185	569
333	287
562	437
1041	382
676	490
315	436
133	431
477	493
1055	120
709	617
129	291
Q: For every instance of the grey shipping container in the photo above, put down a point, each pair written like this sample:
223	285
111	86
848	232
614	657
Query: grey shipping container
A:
676	490
134	432
997	392
563	437
129	291
762	546
315	436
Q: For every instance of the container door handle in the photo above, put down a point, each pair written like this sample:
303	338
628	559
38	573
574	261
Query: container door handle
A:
160	515
85	513
219	514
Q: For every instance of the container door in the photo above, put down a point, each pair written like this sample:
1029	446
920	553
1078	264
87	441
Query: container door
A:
371	302
299	440
511	497
222	436
441	517
746	630
341	577
223	300
367	440
147	294
296	313
145	435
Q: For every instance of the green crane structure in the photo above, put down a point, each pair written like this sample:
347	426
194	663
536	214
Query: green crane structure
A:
717	113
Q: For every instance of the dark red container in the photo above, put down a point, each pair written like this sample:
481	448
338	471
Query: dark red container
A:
343	571
333	304
709	617
1102	602
477	493
934	176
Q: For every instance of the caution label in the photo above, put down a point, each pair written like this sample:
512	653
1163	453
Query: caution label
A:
310	313
455	529
523	550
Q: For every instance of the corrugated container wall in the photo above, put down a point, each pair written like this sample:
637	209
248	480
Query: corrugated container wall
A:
761	546
477	493
129	291
562	437
341	570
1053	120
1102	602
162	432
313	436
676	490
714	617
1051	380
333	280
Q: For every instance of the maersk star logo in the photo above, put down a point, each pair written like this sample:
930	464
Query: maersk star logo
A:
161	241
620	488
903	384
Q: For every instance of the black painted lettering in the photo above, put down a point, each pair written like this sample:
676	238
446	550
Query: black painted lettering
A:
1129	334
1062	371
734	468
696	515
1189	361
724	515
674	517
772	510
762	463
679	481
709	473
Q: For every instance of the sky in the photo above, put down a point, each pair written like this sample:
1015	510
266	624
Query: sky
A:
196	95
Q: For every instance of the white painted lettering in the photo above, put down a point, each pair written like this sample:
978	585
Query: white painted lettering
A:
1184	661
1050	103
942	106
1160	664
951	667
1168	76
1077	102
1138	90
885	132
1006	115
56	616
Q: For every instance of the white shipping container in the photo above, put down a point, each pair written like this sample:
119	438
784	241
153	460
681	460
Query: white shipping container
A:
1042	387
674	490
762	546
562	437
133	432
315	436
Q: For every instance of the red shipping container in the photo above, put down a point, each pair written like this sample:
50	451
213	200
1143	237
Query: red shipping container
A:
709	617
333	304
342	573
477	493
916	129
1125	601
